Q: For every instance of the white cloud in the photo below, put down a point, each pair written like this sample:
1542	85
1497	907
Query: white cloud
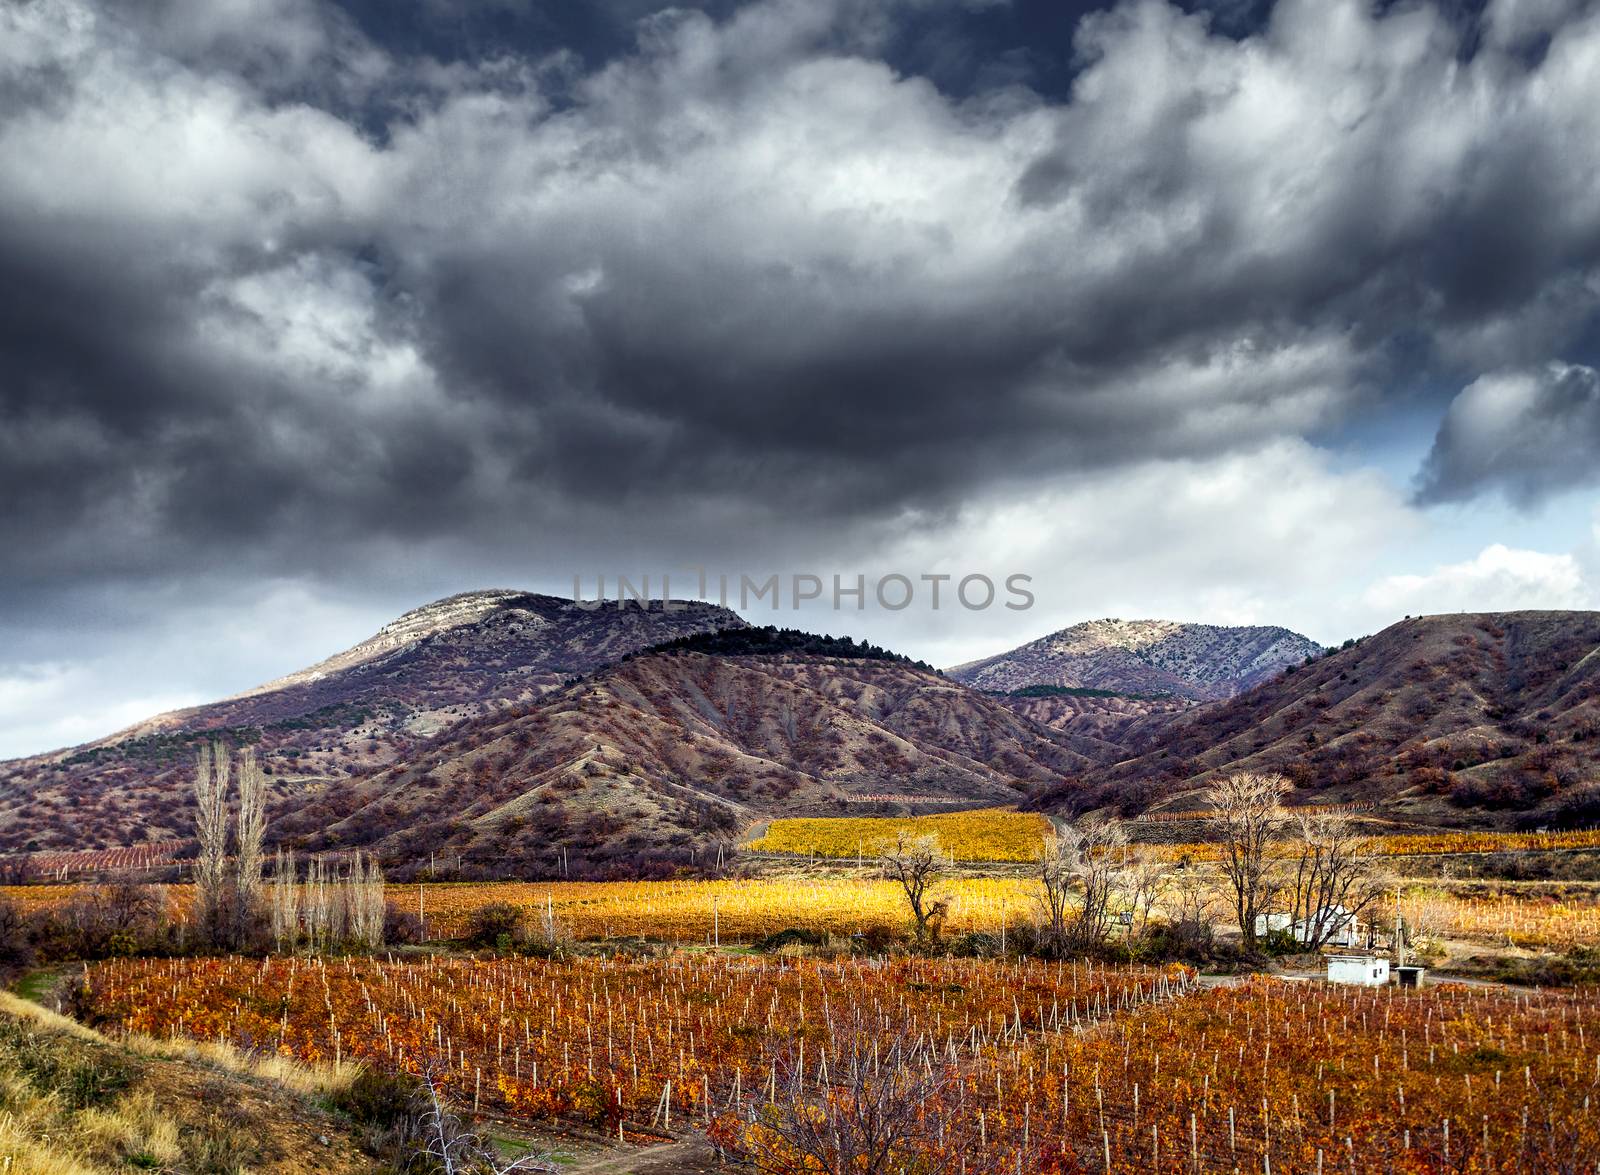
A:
50	704
1271	536
179	649
1498	578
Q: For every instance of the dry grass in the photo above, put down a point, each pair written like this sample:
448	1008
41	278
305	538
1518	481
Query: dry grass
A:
295	1076
73	1102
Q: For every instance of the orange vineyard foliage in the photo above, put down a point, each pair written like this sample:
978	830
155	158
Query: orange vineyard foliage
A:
1029	1066
745	910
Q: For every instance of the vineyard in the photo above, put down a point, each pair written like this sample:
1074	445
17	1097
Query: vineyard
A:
1505	921
990	834
134	857
1196	815
730	911
744	910
1416	845
1029	1066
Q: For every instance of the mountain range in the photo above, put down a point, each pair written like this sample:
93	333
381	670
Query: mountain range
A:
528	735
374	704
640	766
1456	718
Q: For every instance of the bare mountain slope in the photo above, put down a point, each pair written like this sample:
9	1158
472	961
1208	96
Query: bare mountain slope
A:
1449	718
1151	657
630	770
456	659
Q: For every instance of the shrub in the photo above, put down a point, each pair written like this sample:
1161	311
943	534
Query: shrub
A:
16	947
792	936
401	927
498	925
876	939
379	1098
975	945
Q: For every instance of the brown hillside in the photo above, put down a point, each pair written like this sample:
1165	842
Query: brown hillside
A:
655	759
1453	719
457	659
1100	727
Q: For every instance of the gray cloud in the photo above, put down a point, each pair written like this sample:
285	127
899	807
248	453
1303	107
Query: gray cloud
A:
1527	434
287	297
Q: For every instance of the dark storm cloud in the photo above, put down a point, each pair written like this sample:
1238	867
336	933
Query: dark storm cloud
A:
1527	434
285	280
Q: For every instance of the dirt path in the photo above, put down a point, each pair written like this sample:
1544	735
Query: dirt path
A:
690	1157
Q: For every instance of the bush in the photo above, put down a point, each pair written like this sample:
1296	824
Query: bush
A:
1581	967
975	945
16	946
379	1098
793	936
875	940
401	927
108	921
1279	942
498	925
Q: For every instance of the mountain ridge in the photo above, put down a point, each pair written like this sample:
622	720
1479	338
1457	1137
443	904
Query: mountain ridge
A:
632	769
1197	662
452	659
1455	718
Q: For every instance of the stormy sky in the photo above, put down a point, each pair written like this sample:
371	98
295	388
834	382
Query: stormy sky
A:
1238	312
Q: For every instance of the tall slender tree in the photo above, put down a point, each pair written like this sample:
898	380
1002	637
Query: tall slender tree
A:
211	831
285	903
252	827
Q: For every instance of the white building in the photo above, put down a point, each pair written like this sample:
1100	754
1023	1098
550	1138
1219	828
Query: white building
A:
1346	932
1366	970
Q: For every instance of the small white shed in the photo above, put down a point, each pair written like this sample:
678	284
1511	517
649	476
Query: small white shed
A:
1366	970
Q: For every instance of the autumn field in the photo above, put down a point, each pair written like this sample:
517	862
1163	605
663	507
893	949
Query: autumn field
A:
1505	921
989	834
743	910
1415	845
736	910
1026	1066
999	835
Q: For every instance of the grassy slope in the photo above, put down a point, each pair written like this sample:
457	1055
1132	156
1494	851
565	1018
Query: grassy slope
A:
75	1102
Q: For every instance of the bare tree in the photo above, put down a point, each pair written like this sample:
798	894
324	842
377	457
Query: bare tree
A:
318	906
1248	817
1194	908
867	1115
211	830
917	863
455	1150
1087	857
252	827
285	904
366	903
1142	883
1336	877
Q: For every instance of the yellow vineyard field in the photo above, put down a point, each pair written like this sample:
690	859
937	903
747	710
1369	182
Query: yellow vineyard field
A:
1504	921
1417	845
990	834
744	910
733	910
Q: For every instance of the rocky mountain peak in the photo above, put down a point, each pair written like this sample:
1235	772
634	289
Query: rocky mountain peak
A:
1148	657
